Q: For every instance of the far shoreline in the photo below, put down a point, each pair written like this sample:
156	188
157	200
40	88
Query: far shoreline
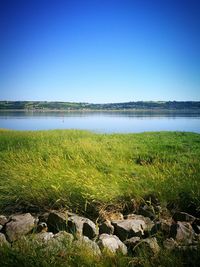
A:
190	111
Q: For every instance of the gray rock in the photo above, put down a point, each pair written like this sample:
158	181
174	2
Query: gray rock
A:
182	232
85	242
112	243
148	244
134	225
148	222
170	244
153	244
183	217
42	227
19	225
90	229
43	217
106	228
64	221
196	226
75	224
3	220
82	226
131	242
64	236
61	240
3	241
1	227
163	225
55	240
44	236
57	221
188	248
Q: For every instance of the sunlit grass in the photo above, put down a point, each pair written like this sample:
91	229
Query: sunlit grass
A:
76	169
29	252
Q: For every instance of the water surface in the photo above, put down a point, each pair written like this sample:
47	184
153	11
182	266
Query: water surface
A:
104	122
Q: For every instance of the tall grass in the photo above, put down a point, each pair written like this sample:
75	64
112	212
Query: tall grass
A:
80	169
29	252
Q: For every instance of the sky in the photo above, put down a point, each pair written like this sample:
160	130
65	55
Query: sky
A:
100	51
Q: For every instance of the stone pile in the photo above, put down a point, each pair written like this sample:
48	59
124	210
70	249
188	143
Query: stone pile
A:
123	233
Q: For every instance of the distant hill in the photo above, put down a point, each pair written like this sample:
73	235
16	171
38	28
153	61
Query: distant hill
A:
139	105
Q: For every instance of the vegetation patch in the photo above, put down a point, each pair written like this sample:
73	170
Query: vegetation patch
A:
100	176
84	171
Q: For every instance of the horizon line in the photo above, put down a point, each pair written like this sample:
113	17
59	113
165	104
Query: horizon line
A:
100	103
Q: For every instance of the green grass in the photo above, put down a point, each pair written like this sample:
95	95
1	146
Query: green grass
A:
85	172
28	252
81	170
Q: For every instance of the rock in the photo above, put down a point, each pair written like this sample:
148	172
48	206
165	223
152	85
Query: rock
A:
163	226
153	244
196	226
19	225
44	236
85	242
3	241
134	225
80	225
131	242
187	248
112	243
64	236
57	221
1	227
166	225
59	241
43	217
3	220
90	229
182	232
183	217
64	221
75	224
42	227
148	244
55	240
106	228
170	244
128	228
147	221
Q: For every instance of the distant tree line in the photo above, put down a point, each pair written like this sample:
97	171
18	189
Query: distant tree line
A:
139	105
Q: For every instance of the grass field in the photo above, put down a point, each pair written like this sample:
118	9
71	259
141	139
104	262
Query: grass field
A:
86	172
79	169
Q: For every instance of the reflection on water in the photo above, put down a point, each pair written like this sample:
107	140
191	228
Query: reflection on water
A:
21	114
106	122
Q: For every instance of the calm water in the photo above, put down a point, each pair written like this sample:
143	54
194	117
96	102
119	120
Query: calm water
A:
106	122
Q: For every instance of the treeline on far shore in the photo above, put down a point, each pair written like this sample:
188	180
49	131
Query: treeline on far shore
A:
139	105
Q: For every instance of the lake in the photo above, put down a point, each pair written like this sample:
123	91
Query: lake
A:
103	122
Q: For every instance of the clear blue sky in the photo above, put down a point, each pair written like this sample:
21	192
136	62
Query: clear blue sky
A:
99	51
